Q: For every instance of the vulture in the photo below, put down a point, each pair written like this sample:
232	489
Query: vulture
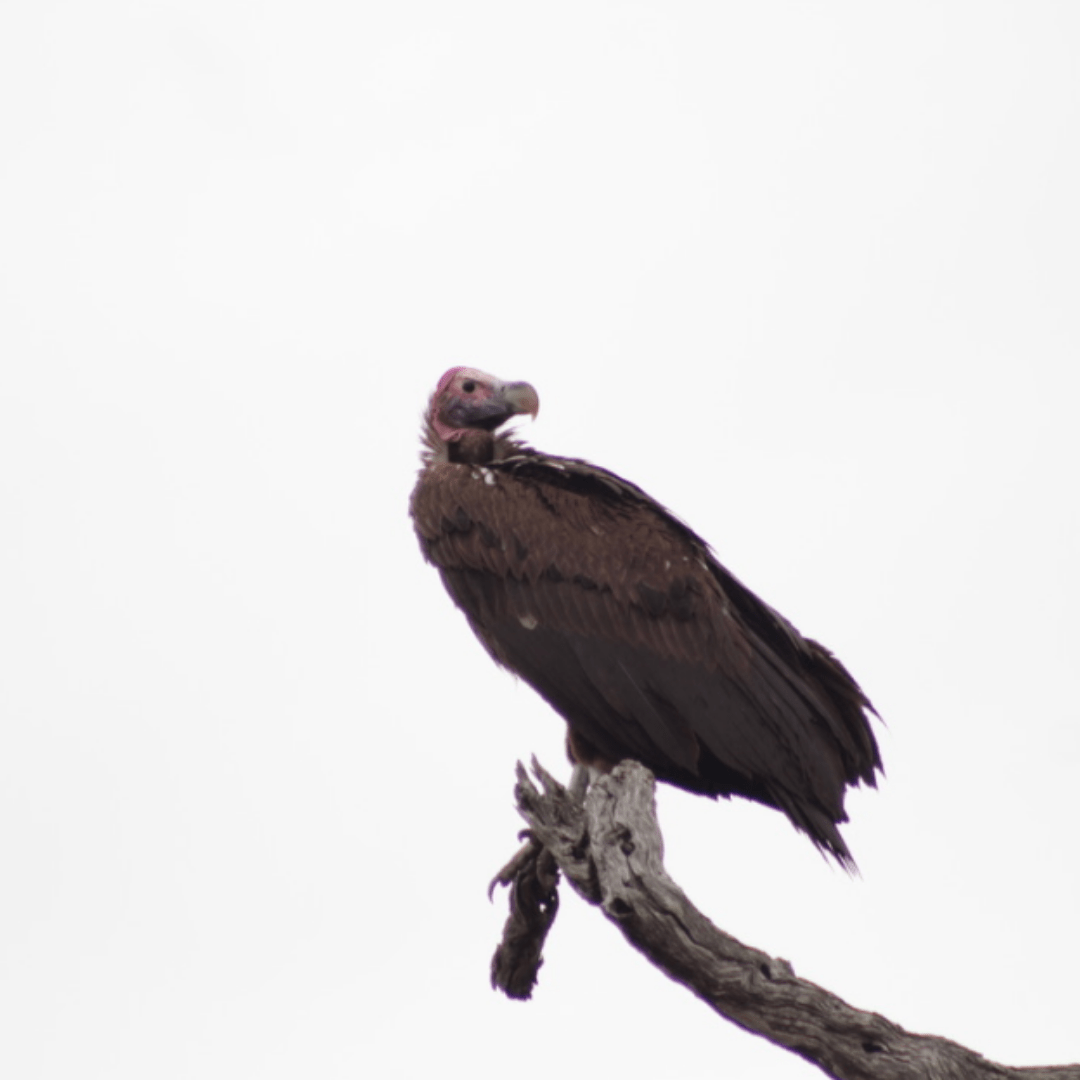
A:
623	620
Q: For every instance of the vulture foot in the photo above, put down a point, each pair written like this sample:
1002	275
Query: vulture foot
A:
509	873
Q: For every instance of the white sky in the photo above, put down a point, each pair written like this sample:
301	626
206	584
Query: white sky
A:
808	273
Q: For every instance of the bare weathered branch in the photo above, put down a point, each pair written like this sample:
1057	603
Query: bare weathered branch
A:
533	878
611	851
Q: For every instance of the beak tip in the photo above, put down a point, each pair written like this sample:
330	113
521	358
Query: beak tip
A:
524	398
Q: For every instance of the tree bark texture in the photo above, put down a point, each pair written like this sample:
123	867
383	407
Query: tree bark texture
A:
610	849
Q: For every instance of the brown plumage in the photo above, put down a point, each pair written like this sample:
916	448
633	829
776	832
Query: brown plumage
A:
622	619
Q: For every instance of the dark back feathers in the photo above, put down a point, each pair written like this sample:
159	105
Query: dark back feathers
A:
622	619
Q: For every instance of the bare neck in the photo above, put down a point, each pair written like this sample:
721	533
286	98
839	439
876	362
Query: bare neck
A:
473	448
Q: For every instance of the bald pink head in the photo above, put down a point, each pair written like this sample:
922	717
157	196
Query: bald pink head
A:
466	398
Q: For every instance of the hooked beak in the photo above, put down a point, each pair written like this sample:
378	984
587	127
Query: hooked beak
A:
521	399
505	401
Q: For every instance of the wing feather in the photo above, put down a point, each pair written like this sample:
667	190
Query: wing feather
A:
620	617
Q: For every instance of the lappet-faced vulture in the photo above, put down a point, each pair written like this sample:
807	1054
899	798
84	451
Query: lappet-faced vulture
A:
622	619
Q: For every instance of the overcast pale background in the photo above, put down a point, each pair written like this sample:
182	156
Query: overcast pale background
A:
807	273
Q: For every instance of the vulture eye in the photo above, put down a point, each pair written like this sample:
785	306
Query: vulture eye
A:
468	386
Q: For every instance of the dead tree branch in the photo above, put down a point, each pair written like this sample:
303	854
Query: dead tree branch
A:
611	851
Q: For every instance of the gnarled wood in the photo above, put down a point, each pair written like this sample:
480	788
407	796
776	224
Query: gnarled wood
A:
611	851
533	879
